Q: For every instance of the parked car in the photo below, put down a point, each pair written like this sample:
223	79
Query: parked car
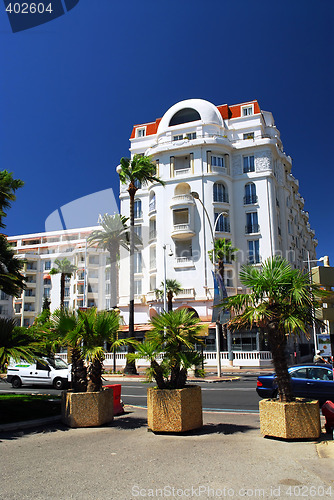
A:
312	381
44	371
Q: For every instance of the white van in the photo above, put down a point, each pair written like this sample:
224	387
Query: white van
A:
44	371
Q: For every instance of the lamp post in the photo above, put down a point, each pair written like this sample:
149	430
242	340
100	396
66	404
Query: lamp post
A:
313	312
195	195
165	274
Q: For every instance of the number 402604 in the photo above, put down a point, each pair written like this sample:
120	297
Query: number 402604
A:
32	8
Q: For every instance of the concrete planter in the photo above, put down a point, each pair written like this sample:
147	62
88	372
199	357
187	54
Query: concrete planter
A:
297	420
174	410
87	409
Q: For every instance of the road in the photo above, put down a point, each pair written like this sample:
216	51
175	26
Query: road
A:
236	396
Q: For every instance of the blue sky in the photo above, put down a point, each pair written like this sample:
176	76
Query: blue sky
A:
71	90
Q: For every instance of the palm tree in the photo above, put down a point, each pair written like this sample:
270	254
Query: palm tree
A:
65	269
16	343
173	288
114	233
141	170
66	325
281	303
173	337
11	279
224	252
97	329
8	186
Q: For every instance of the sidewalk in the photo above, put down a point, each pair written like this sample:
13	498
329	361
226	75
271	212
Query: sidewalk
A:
226	458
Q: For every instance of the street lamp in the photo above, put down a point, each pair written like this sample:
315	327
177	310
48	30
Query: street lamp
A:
195	195
170	253
313	312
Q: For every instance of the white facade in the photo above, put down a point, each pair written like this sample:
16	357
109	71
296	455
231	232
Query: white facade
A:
232	156
40	251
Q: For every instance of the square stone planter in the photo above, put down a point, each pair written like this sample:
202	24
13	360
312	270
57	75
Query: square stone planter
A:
174	410
87	409
299	419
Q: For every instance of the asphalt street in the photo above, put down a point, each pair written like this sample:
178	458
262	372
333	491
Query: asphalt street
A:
237	395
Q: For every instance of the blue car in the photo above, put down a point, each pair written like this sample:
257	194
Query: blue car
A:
311	381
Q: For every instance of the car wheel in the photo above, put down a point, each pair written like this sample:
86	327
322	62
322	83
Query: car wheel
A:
58	383
16	382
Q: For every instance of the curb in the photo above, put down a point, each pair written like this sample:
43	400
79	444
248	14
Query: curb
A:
39	422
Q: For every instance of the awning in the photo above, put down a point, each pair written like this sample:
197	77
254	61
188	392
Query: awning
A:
46	277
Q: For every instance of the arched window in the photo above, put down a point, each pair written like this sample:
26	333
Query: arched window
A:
151	205
184	116
137	209
137	184
220	192
250	194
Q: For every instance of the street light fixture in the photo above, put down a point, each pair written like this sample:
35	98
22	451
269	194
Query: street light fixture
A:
195	195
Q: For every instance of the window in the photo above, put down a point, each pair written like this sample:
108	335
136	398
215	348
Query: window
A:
137	209
183	249
137	257
108	304
90	303
290	227
253	252
151	205
137	231
223	224
3	296
94	259
190	135
67	291
217	161
47	281
152	229
178	137
46	293
3	310
47	265
140	132
229	278
252	225
107	288
249	164
250	194
301	373
248	135
181	216
153	258
247	110
184	116
220	193
137	287
137	184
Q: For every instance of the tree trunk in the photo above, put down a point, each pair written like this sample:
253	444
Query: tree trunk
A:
95	376
277	342
62	291
170	301
130	366
113	278
79	372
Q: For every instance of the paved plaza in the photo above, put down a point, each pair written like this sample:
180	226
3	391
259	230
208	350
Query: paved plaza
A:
228	458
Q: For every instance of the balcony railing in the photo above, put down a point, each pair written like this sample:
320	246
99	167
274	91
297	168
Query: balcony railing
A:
152	234
249	200
181	171
151	206
223	227
252	228
221	198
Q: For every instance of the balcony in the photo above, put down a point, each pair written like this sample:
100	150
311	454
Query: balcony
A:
152	206
179	172
250	200
187	293
183	262
182	231
223	227
182	199
252	228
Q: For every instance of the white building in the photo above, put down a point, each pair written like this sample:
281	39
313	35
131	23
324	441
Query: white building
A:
233	157
40	251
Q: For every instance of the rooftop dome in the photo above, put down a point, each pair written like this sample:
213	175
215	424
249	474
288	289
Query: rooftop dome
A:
189	111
